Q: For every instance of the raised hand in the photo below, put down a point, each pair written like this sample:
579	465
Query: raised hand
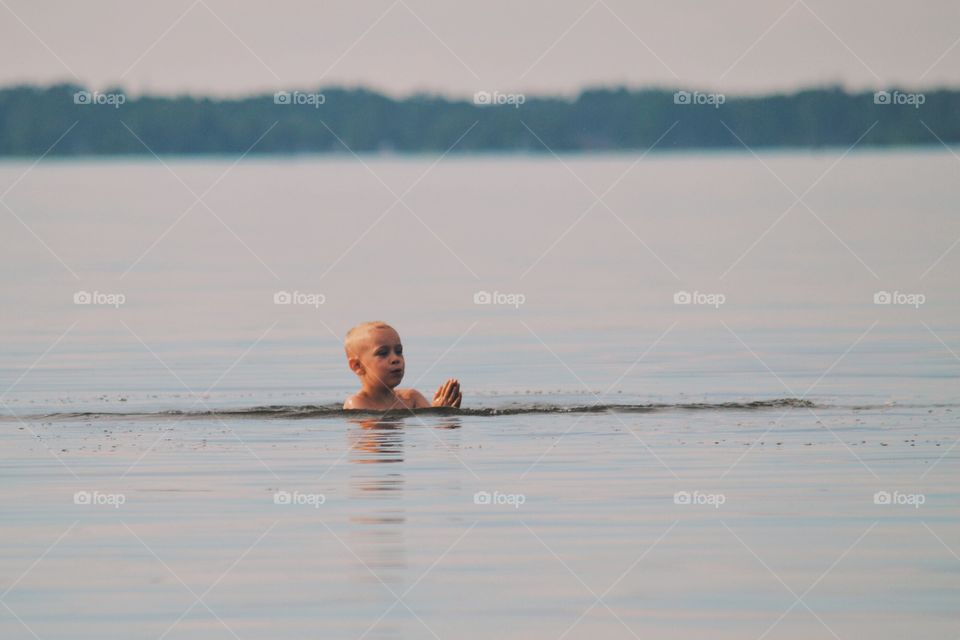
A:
448	395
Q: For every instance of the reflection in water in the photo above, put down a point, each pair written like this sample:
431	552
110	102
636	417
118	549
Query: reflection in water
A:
452	422
376	440
376	486
376	491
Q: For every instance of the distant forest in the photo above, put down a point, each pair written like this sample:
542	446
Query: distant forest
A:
335	119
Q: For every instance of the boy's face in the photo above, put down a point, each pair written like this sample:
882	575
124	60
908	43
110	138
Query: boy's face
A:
380	358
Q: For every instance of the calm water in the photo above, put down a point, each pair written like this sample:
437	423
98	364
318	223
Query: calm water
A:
676	522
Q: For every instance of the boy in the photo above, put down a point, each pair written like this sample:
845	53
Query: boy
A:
375	354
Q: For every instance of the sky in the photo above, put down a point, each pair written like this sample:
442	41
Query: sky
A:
457	48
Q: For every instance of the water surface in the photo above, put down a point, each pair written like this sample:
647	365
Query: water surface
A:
176	466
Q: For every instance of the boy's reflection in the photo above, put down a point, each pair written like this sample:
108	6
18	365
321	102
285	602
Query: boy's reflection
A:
376	440
380	440
372	441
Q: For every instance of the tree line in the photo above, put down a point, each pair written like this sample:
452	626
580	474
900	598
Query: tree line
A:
342	120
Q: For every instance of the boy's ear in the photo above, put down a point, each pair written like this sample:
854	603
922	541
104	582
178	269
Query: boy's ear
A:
355	365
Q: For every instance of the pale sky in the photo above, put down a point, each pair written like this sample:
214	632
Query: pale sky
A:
455	47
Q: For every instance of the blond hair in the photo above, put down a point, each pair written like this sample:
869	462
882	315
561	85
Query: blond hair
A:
357	333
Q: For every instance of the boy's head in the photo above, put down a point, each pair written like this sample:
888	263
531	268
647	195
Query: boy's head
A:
375	354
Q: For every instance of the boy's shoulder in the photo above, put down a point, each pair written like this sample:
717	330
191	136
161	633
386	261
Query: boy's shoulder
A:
413	398
410	397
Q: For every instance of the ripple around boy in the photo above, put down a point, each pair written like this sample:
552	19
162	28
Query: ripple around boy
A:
375	354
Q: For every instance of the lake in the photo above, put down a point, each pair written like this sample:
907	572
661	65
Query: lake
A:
705	394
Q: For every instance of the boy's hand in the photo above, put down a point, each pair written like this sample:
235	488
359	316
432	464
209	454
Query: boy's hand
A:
448	395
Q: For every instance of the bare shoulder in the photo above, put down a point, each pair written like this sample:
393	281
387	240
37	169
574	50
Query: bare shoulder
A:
355	401
413	398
